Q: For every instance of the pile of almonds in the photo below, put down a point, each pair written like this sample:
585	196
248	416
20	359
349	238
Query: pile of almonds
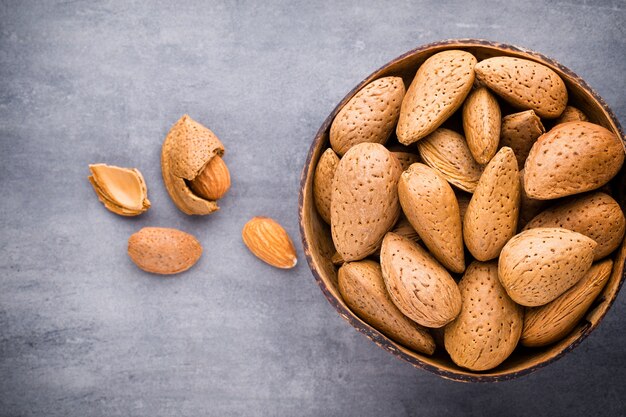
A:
195	177
496	230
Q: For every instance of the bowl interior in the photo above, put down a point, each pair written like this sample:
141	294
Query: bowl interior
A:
319	248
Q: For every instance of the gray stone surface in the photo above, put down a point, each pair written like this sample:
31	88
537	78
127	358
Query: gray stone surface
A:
84	332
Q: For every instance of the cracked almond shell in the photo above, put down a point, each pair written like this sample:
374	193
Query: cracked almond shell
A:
122	190
187	149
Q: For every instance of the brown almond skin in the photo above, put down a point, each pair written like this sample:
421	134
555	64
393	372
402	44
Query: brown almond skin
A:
418	285
596	215
323	183
519	132
489	326
491	216
552	322
365	202
431	207
481	124
269	242
572	158
571	114
447	152
440	85
163	251
362	288
370	116
524	84
406	159
213	182
538	265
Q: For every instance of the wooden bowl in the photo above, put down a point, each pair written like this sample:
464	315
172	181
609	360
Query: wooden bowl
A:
318	245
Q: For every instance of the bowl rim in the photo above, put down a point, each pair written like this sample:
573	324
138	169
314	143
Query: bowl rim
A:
369	331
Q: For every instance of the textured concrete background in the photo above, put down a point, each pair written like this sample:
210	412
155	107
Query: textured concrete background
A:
84	332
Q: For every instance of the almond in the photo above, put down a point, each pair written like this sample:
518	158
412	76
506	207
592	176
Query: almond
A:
447	152
406	159
524	84
418	285
519	132
552	322
528	207
538	265
481	124
431	207
370	116
187	150
571	114
362	288
441	84
572	158
403	228
323	183
163	251
122	190
489	326
213	181
596	215
269	242
491	217
364	203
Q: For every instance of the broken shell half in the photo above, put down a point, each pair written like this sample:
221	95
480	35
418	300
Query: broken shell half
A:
187	149
122	190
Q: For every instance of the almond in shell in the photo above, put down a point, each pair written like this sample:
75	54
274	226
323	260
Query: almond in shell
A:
364	203
481	124
406	159
418	285
524	84
323	183
441	84
571	114
362	288
597	216
489	326
572	158
268	241
491	216
431	207
519	132
163	251
538	265
447	152
370	116
552	322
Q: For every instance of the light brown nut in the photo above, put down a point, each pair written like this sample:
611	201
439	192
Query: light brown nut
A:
403	228
447	152
370	116
571	114
552	322
519	132
528	207
596	215
431	207
418	285
269	242
406	159
187	149
441	84
491	216
213	181
362	288
489	326
122	190
572	158
323	183
364	203
160	250
481	124
538	265
524	84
